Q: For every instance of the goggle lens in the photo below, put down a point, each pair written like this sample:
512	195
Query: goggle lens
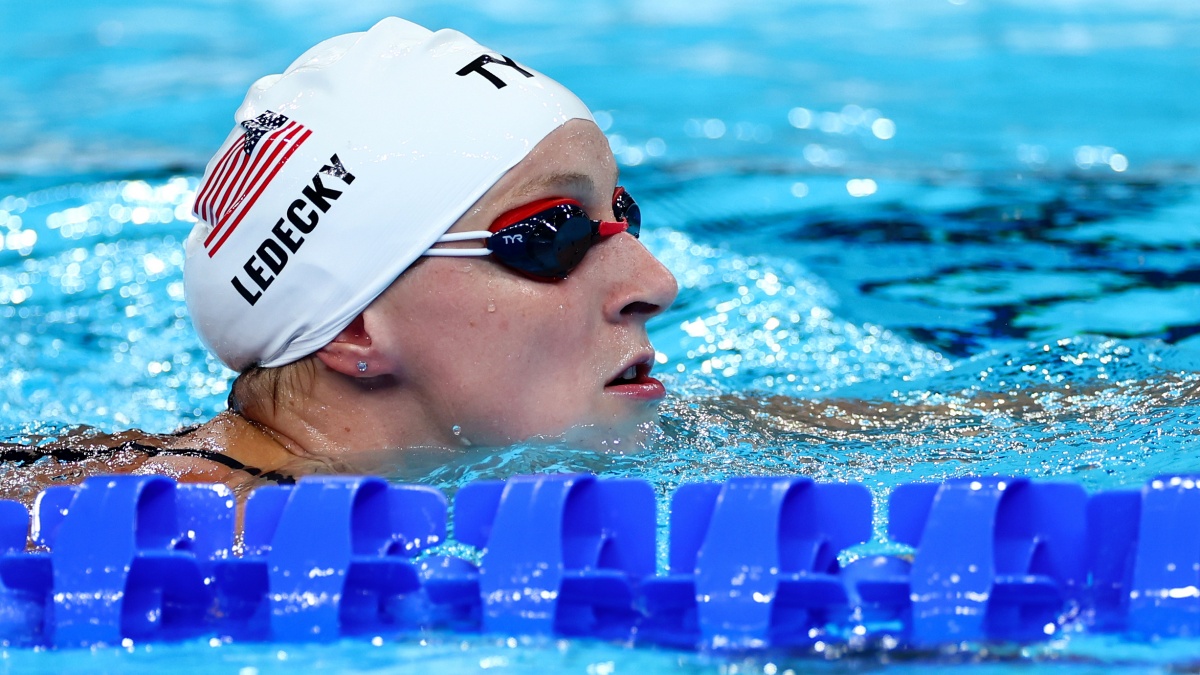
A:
626	210
553	240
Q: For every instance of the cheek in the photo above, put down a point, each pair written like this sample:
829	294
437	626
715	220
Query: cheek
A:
504	358
538	333
478	330
442	321
538	378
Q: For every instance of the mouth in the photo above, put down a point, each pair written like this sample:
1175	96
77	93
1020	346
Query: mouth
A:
635	381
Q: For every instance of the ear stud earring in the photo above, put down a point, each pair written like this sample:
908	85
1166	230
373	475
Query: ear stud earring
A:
362	366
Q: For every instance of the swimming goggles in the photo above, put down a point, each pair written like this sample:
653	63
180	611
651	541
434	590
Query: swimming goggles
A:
547	238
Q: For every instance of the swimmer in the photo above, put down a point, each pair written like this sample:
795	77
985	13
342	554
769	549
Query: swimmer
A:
407	241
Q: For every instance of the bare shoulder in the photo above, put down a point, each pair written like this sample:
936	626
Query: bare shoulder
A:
189	469
66	460
73	457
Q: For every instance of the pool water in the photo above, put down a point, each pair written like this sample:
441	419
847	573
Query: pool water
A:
912	242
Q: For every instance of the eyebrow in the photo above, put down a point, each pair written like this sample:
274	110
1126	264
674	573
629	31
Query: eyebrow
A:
578	181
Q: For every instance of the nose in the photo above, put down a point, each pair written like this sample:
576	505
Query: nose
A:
640	286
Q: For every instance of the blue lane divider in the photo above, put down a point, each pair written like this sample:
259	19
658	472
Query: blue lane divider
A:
1110	556
328	557
564	554
26	580
132	558
753	562
996	558
29	577
1165	592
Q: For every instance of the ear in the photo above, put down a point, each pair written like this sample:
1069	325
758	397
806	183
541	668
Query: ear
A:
351	347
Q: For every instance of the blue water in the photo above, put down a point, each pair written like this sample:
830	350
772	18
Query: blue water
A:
913	241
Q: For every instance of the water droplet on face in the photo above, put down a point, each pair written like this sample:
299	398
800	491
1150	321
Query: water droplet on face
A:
491	305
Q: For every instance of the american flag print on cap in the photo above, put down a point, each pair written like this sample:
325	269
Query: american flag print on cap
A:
244	171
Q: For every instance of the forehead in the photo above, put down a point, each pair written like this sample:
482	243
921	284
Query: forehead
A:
573	161
575	158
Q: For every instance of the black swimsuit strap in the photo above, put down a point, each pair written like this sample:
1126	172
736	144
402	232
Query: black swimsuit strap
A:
219	458
22	456
28	455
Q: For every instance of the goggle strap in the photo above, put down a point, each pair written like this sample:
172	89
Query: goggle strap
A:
463	236
609	228
458	252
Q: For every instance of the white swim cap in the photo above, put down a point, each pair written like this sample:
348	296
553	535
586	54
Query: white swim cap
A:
342	171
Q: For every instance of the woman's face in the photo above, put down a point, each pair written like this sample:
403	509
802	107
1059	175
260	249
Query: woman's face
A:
503	357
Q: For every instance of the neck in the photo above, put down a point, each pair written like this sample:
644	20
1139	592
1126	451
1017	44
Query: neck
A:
358	426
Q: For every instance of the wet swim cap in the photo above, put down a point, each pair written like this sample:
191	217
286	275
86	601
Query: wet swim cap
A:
342	171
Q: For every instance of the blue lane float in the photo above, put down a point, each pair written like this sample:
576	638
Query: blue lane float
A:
1147	566
754	562
995	558
130	557
564	554
327	558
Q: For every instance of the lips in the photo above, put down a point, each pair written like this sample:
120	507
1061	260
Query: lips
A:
635	382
